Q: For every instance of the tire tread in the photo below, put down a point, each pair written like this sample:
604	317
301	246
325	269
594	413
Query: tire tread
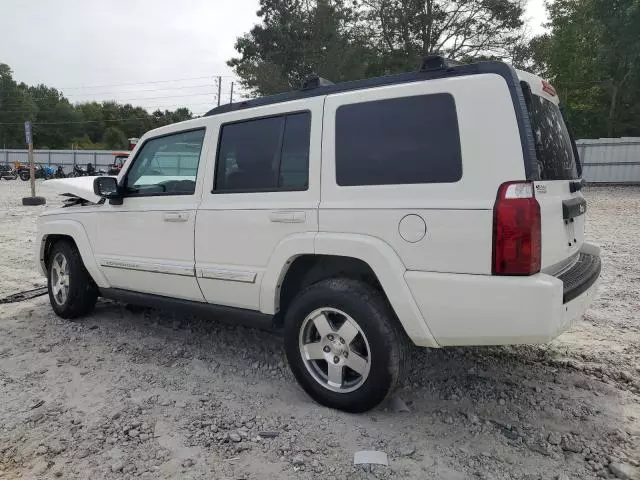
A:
361	295
83	293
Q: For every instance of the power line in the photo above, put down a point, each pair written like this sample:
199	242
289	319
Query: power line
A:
83	121
143	83
137	91
126	100
161	105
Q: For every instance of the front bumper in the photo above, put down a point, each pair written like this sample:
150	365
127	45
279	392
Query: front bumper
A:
491	310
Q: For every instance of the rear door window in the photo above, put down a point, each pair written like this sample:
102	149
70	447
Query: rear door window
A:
398	141
265	154
554	151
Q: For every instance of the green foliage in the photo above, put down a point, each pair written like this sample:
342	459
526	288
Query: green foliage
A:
298	38
114	138
403	31
592	56
346	40
591	52
59	124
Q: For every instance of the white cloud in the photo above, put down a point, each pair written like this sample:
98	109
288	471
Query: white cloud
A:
536	16
71	43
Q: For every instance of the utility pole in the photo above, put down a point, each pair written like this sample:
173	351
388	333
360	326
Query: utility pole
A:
32	200
219	89
231	97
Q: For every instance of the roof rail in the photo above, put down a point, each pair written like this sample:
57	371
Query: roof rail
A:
436	61
315	81
435	66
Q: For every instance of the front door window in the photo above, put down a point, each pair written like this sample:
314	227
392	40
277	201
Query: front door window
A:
166	165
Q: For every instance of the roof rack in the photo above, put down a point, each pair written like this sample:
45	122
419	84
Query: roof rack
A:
431	67
314	81
435	61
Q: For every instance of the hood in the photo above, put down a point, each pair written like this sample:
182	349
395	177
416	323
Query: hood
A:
81	187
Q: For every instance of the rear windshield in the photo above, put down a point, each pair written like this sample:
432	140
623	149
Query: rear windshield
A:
553	143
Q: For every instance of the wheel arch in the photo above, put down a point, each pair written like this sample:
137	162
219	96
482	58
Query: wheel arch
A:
360	256
51	231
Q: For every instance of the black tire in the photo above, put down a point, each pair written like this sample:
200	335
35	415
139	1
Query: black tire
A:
82	292
24	176
33	201
387	342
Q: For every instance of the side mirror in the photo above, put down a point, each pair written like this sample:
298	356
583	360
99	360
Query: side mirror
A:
107	187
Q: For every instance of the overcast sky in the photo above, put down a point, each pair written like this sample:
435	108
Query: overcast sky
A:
134	51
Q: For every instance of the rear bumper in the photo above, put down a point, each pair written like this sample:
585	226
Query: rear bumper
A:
490	310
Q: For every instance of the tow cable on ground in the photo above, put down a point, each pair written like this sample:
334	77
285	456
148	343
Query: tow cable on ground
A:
25	295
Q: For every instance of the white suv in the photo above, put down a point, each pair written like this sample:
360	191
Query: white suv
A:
441	206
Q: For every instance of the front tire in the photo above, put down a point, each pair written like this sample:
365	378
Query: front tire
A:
72	291
344	344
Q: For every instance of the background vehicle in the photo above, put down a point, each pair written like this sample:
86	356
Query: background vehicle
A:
7	172
118	162
40	172
90	171
355	217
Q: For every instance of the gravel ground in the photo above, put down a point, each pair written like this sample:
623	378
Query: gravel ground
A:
136	393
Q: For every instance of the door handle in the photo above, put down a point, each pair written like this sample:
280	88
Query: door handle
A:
288	217
175	216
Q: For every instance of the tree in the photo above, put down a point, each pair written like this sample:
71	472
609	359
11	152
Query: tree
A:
114	138
16	106
362	38
592	55
55	119
59	124
298	38
405	30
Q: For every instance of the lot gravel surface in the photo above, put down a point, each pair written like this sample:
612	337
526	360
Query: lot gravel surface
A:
136	393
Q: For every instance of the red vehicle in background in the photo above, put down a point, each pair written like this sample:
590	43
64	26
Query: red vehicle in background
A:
119	160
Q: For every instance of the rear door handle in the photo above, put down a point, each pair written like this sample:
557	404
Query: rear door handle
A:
175	216
288	217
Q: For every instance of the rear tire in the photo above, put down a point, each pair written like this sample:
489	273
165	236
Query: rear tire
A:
344	344
72	291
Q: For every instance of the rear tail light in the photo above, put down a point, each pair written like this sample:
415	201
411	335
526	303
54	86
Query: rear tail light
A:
516	230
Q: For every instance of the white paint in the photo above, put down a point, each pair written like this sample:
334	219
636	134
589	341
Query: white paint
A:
412	228
389	269
488	310
458	215
241	230
56	224
81	187
429	245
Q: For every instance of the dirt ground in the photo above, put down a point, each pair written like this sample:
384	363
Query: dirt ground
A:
129	393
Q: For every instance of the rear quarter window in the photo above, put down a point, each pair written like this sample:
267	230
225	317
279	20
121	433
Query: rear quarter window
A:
554	151
405	140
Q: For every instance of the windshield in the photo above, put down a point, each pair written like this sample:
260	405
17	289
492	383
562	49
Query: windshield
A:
554	150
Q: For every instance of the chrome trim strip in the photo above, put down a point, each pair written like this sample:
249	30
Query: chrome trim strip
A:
150	267
228	275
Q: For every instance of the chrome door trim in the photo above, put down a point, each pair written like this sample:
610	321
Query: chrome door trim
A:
242	276
170	269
